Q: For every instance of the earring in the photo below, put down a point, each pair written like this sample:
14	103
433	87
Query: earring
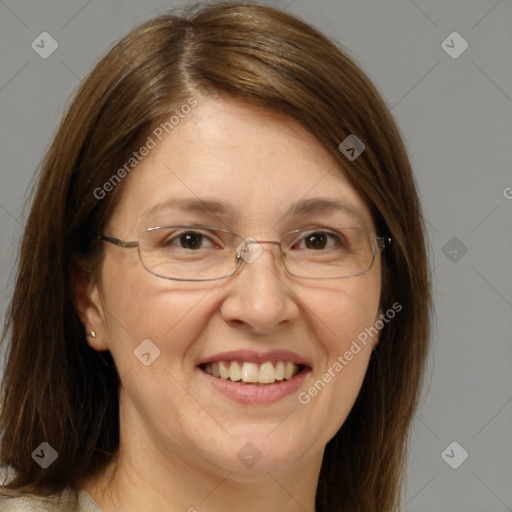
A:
92	334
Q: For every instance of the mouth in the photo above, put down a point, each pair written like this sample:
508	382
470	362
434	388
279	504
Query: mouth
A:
251	373
255	378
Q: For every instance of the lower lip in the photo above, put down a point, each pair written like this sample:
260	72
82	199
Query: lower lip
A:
256	394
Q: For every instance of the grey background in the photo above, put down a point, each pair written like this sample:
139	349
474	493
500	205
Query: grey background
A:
456	118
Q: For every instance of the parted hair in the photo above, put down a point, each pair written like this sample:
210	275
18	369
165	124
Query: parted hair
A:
59	390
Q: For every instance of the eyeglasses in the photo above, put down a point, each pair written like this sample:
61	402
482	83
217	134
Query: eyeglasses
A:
200	253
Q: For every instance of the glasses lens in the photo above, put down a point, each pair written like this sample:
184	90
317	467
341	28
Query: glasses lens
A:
197	253
324	253
188	252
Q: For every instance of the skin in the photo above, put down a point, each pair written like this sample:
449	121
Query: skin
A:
179	435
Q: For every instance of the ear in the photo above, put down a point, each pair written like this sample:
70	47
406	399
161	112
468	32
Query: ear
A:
88	304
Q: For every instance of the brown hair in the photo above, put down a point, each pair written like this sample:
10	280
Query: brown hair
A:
59	390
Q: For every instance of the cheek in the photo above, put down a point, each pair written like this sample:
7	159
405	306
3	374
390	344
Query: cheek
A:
341	314
139	306
343	319
343	332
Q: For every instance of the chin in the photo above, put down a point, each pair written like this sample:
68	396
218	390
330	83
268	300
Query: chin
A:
259	450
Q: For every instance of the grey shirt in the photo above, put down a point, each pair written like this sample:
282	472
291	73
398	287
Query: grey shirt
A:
69	500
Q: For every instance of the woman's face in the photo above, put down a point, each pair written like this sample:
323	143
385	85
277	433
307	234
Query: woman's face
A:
257	166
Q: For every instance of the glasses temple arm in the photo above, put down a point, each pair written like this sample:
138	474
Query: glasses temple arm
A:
120	243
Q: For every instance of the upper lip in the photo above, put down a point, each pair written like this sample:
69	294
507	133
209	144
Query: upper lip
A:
252	356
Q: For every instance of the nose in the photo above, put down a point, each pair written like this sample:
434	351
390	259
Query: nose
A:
259	298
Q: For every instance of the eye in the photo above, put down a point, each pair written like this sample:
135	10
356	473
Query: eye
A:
319	240
191	240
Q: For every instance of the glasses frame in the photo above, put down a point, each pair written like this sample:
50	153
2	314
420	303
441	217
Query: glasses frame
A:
381	243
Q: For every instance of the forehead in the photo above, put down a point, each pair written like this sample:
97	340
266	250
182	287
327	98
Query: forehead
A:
241	165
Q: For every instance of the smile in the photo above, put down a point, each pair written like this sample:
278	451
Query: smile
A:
268	372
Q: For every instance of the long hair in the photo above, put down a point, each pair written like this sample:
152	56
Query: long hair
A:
59	390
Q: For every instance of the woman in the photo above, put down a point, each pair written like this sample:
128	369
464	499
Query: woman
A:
222	296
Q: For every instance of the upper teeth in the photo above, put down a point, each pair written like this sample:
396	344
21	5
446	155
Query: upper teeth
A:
265	373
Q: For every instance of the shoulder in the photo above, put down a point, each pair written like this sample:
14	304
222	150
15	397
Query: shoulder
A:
69	500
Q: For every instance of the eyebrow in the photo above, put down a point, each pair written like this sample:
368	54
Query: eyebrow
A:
192	205
318	204
218	208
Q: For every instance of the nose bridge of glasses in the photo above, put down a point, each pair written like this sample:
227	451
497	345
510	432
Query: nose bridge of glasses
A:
250	249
